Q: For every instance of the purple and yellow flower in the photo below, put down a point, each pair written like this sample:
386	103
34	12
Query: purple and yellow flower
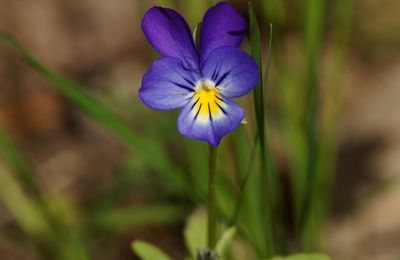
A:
199	81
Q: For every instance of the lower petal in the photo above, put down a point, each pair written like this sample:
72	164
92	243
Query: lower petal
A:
212	126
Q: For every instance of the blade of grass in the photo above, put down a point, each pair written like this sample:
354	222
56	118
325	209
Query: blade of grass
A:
12	155
247	205
330	115
26	213
266	179
146	149
258	92
269	158
314	24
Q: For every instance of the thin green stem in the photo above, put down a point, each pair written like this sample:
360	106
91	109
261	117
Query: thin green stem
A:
212	216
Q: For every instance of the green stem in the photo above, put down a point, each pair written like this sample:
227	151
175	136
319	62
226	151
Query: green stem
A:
212	216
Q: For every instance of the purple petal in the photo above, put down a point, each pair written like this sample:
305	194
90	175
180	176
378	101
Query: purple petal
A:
167	85
212	127
232	70
170	35
222	25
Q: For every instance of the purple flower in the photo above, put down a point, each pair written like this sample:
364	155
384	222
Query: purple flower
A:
199	81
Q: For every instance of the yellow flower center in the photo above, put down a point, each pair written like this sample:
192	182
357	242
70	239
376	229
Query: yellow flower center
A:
208	102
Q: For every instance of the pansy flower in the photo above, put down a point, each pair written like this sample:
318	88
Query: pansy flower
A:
201	81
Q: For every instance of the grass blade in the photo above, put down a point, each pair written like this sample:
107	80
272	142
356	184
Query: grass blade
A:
266	182
27	214
150	151
313	38
331	109
11	154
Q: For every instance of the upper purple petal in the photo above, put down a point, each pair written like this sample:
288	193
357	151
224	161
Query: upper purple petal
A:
168	84
168	32
222	25
232	70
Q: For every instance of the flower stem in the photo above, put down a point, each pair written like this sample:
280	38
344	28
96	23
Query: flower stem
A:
212	217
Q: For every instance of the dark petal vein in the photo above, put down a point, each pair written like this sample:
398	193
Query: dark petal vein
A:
165	13
198	111
222	78
223	110
216	72
191	83
237	33
209	112
220	99
182	86
195	103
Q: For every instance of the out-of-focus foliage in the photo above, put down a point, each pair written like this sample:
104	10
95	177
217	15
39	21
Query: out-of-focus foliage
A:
303	257
147	251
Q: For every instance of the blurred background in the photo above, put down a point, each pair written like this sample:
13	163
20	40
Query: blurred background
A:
69	185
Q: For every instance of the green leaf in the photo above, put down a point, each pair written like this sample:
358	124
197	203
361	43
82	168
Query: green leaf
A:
302	256
147	149
224	242
195	231
147	251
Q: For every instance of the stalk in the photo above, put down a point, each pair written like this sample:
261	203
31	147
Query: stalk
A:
212	216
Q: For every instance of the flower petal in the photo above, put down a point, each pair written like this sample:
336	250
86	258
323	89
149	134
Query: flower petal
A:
167	85
168	32
222	25
210	126
232	70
